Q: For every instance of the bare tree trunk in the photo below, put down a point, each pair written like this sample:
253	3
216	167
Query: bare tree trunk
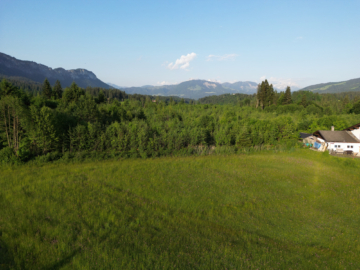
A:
10	141
17	133
6	129
14	130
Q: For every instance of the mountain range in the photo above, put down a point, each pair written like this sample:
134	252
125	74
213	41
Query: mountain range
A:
13	67
194	89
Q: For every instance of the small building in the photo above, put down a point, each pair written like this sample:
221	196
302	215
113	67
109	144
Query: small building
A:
308	139
343	141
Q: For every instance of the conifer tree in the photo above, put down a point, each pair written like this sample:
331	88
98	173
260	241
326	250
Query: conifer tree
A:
57	90
287	98
258	95
304	101
281	99
345	101
72	93
101	97
265	94
46	89
7	89
270	95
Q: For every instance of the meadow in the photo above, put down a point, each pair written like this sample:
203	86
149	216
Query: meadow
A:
287	210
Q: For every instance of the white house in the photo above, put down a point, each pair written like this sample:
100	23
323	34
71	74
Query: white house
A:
355	130
344	141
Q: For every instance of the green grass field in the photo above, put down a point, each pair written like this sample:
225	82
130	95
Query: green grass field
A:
296	210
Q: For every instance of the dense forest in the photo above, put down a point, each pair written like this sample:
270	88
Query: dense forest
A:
54	123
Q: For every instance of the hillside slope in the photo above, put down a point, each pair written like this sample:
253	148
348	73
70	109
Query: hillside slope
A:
13	67
335	87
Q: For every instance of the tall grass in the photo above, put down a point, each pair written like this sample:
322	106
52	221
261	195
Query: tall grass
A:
286	210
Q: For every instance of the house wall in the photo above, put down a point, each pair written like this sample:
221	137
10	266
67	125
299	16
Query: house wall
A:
356	133
344	146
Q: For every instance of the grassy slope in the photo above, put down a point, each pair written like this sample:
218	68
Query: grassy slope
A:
295	210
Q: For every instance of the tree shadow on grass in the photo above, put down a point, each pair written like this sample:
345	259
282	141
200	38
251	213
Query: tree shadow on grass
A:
6	257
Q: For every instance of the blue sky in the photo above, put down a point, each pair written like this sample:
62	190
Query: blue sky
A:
134	43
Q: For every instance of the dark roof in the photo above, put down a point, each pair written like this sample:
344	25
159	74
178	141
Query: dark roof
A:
304	135
336	136
353	127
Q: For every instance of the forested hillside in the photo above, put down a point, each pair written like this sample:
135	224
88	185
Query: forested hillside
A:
62	123
335	87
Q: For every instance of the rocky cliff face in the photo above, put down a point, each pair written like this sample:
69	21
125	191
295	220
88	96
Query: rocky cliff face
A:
11	66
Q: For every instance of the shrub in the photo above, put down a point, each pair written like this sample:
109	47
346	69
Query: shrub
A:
7	156
313	109
52	156
271	108
291	108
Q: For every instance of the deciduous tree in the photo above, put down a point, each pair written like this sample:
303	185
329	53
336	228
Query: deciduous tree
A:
12	112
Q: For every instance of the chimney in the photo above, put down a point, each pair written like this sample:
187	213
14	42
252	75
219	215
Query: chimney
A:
332	128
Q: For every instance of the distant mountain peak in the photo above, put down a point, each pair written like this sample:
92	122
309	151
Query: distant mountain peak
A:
10	66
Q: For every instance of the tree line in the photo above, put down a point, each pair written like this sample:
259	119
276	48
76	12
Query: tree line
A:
61	122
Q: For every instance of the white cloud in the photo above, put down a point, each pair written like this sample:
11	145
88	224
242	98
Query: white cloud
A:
183	62
281	83
298	39
224	57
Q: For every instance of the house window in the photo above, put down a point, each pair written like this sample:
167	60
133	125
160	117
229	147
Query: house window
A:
348	146
352	146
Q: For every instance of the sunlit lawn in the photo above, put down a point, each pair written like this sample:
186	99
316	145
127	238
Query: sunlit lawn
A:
298	210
